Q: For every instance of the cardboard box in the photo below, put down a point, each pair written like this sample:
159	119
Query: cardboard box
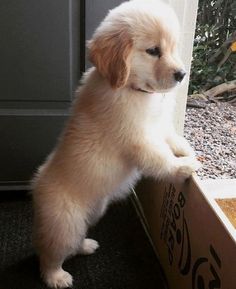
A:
195	241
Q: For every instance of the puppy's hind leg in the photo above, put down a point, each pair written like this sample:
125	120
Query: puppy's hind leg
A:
89	246
52	272
56	238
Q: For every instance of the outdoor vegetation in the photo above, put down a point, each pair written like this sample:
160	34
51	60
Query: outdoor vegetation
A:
213	73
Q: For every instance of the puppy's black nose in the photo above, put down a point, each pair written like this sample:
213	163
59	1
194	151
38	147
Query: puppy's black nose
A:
179	75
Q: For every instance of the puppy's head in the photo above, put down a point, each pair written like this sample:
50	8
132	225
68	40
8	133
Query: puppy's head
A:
136	46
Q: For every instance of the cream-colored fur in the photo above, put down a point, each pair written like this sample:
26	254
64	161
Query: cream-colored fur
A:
120	128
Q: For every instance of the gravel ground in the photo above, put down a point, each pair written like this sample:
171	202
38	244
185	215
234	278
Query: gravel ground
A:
212	133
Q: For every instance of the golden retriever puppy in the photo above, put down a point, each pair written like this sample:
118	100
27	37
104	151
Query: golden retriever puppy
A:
120	128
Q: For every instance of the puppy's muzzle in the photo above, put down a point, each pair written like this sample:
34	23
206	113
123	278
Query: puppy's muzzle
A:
179	75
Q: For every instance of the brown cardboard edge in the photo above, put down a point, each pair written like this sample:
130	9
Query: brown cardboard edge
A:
195	183
219	213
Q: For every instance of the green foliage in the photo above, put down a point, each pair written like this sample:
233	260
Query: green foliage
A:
216	26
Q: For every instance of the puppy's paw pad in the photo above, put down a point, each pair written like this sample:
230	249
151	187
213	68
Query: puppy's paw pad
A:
89	246
58	279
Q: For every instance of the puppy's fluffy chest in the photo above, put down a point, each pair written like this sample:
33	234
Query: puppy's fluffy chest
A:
154	116
125	112
160	110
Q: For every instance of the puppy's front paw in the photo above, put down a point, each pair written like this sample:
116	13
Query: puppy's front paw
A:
185	168
184	151
180	146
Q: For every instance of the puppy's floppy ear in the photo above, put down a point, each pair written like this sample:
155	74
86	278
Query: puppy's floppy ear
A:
109	51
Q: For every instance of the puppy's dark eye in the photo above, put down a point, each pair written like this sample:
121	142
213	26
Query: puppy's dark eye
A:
154	51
